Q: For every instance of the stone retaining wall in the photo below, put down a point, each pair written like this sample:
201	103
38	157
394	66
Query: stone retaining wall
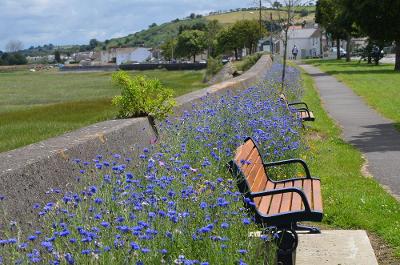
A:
27	173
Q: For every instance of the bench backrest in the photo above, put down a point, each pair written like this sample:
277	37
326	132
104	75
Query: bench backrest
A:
249	167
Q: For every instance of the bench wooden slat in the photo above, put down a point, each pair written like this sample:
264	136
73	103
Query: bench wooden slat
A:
265	202
307	187
276	200
260	181
253	172
297	204
304	115
317	198
252	158
287	198
244	152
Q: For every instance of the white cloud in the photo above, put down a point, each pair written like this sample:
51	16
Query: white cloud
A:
38	22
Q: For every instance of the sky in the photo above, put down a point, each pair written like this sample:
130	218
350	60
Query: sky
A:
61	22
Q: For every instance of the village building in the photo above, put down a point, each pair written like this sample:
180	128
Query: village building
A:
132	55
307	41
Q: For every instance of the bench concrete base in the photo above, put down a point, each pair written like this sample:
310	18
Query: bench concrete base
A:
333	247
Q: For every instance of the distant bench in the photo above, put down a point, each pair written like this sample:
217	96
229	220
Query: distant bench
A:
281	204
304	113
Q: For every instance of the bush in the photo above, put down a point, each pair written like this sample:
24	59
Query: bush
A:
214	65
141	96
249	61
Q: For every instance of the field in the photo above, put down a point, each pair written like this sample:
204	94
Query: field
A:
36	106
232	17
377	85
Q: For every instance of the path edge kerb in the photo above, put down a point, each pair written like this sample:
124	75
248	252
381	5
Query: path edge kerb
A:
27	173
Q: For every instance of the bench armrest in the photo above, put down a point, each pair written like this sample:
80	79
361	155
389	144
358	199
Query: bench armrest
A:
298	103
283	190
290	161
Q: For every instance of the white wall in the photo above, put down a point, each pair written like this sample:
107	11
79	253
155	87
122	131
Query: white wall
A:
307	47
138	55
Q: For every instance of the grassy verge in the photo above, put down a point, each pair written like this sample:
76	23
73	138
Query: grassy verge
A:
351	201
378	85
247	62
36	106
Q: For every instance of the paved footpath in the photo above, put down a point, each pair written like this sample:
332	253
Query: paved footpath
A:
363	127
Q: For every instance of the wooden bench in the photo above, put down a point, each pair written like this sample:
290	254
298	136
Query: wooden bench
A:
304	113
280	204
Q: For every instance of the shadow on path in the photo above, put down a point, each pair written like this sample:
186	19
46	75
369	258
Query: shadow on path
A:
319	74
378	138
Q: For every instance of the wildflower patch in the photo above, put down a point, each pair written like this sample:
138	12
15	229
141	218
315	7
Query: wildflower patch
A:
175	203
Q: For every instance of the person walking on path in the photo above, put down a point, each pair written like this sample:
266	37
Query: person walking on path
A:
295	51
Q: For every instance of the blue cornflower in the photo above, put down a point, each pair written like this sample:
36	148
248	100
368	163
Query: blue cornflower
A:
47	245
32	238
86	252
203	205
224	225
134	246
242	251
246	221
69	259
93	189
145	250
241	262
65	232
105	224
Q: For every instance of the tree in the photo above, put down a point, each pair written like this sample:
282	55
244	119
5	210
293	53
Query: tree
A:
92	44
337	17
14	46
328	15
276	5
14	58
190	43
227	41
213	28
242	34
153	25
57	56
168	49
248	33
379	19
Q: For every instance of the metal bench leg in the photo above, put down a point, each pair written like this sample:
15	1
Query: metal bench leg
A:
287	244
310	229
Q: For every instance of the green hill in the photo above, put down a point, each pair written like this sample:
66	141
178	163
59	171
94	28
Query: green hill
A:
155	35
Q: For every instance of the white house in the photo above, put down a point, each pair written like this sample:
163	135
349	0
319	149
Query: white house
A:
307	41
109	56
132	55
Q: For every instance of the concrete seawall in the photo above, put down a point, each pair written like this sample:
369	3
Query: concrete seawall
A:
27	173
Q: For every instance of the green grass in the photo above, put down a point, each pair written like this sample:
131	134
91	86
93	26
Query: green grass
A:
36	106
378	85
351	200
